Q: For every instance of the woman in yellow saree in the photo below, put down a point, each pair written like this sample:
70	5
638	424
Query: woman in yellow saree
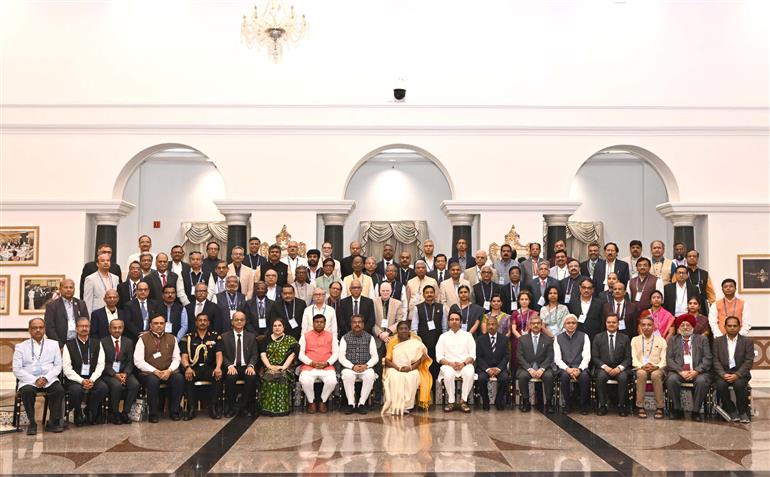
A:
406	368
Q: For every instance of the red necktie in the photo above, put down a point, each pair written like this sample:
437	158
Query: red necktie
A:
617	310
685	366
117	350
163	278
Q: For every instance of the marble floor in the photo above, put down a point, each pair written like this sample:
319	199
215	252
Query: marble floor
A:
484	443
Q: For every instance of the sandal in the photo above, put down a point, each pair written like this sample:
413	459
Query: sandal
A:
659	414
464	407
449	407
642	413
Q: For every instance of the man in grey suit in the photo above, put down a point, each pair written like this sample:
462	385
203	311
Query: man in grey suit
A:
239	360
733	358
611	356
62	314
540	284
535	358
118	371
529	266
688	359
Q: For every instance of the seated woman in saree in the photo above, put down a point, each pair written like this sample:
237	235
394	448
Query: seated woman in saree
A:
406	368
277	352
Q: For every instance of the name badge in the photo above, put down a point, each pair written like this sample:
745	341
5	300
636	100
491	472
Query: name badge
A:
156	355
638	296
541	301
431	325
501	281
293	323
645	359
384	323
464	326
262	323
622	324
85	369
486	305
656	333
688	359
232	312
116	366
168	327
514	306
582	318
567	297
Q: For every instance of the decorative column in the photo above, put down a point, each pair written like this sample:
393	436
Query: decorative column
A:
461	229
682	217
107	231
333	232
236	230
684	229
557	230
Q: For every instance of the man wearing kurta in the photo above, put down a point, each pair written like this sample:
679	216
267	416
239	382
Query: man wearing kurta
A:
415	286
730	305
456	352
318	353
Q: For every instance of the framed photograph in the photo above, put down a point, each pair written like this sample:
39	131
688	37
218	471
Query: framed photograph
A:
19	245
35	291
5	294
754	273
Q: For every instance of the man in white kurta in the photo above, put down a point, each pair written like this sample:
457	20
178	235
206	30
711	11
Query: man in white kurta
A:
415	285
319	307
358	356
456	352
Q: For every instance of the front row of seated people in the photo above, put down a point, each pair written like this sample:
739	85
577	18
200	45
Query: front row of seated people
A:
92	369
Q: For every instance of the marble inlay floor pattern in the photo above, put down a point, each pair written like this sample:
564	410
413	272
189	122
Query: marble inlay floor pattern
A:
500	442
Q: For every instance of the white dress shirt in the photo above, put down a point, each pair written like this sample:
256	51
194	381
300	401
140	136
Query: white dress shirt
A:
558	273
586	355
73	375
143	365
681	300
272	292
731	343
32	360
237	335
456	346
373	356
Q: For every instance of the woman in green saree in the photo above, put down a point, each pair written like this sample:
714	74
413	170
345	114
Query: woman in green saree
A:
277	352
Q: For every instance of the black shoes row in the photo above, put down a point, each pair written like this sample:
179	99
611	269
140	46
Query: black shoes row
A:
360	409
51	426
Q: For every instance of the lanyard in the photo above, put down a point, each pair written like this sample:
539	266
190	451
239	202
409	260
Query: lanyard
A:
289	317
514	292
261	308
32	347
735	304
80	351
233	304
467	311
697	283
195	281
251	262
644	353
569	285
427	316
483	292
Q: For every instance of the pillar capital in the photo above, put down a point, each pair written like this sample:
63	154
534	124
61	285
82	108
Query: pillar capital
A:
334	219
237	218
556	220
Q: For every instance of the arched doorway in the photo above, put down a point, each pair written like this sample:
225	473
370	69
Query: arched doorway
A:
170	184
620	187
399	183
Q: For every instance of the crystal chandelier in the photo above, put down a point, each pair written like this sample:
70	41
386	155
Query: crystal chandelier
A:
273	27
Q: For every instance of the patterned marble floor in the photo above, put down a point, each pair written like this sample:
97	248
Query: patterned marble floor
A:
499	442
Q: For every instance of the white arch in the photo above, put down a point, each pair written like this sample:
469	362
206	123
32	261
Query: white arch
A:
415	149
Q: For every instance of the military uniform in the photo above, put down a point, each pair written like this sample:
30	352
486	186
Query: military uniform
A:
202	356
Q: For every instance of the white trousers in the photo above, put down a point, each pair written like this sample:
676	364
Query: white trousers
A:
308	378
449	375
349	378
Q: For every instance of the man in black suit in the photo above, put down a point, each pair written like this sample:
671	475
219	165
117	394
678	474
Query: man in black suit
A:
201	304
239	362
588	309
540	284
733	359
535	358
290	309
387	259
177	321
141	310
102	317
346	265
609	265
160	277
229	301
62	314
91	267
274	262
181	268
439	272
677	294
588	268
492	362
127	289
569	287
195	275
355	304
688	359
118	371
510	291
485	289
257	311
611	357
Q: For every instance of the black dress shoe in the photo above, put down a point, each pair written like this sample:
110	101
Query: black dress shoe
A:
175	416
349	410
153	418
499	406
32	429
585	410
115	419
622	411
697	416
565	410
485	406
124	418
79	420
676	415
602	411
361	409
232	412
214	413
525	406
188	416
550	409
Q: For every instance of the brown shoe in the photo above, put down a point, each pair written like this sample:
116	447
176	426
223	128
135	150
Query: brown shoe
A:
464	407
323	408
311	408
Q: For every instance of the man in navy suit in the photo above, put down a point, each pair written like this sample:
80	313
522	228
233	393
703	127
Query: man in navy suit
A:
102	317
230	301
202	305
540	284
492	362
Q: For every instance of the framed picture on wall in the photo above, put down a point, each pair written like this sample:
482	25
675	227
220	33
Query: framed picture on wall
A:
5	294
35	291
754	273
19	245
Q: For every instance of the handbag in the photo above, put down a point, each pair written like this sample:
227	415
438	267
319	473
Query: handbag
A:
138	412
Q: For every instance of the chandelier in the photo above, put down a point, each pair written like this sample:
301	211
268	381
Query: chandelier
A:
273	27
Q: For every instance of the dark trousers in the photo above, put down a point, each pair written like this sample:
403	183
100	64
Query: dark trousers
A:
202	373
95	396
674	386
116	392
249	388
152	384
601	386
55	394
523	377
741	395
503	380
584	383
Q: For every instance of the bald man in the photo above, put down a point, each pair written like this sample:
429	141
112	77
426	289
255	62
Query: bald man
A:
473	274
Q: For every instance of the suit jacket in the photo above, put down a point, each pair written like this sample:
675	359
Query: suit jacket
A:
345	312
56	320
473	277
216	320
281	268
246	279
250	349
481	291
486	359
534	287
594	322
91	267
571	287
434	275
296	310
744	356
126	355
630	315
95	290
699	347
526	269
447	294
669	295
621	269
124	293
395	314
156	285
99	325
509	296
224	307
381	266
600	351
346	266
585	270
405	275
251	308
527	355
134	321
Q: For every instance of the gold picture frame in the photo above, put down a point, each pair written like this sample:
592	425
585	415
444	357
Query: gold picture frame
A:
5	294
39	290
19	245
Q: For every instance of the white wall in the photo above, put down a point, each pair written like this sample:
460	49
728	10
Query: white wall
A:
172	192
622	193
400	191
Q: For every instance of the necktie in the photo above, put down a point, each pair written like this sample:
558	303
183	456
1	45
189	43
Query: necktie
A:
591	266
163	279
494	343
238	351
261	309
534	342
221	285
144	310
542	287
117	350
685	366
617	310
612	345
440	277
355	307
385	308
198	308
133	290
